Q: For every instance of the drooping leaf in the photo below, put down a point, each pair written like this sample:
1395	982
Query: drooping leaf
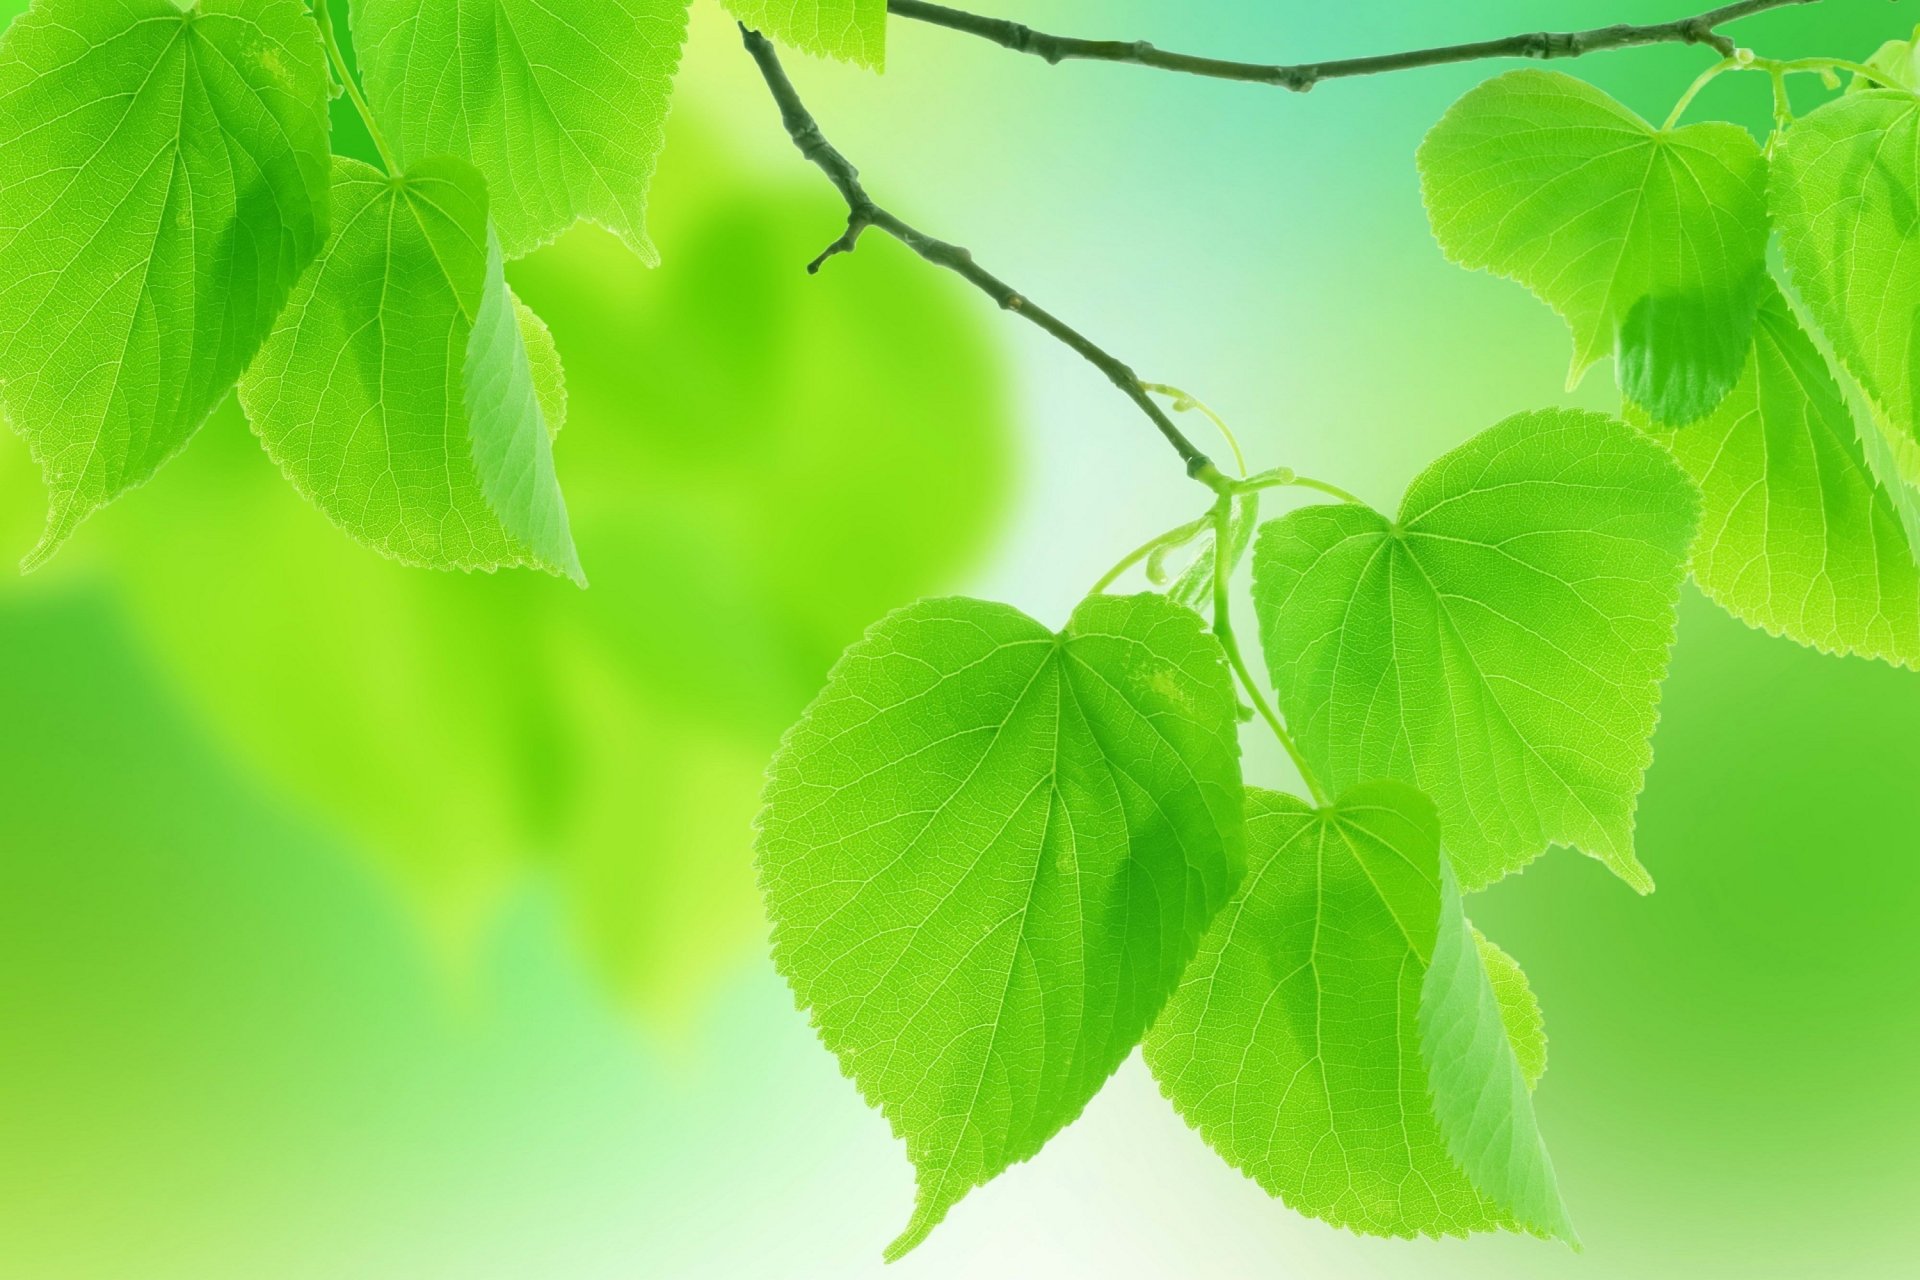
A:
1500	645
1519	1009
562	107
1797	537
988	852
853	30
1481	1090
1845	185
1293	1044
397	391
164	183
1650	243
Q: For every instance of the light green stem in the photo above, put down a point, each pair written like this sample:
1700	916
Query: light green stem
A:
1222	517
1171	538
1183	401
328	36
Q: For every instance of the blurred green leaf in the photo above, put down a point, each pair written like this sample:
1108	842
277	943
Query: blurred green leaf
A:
760	462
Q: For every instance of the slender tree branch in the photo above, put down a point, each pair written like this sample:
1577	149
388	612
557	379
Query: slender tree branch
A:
1702	29
863	212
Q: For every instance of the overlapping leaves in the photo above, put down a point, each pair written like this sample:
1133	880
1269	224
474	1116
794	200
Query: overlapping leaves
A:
1500	644
1327	1040
1806	531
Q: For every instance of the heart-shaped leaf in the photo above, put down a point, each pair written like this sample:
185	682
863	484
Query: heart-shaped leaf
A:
1294	1043
989	852
1500	645
416	425
1650	243
165	183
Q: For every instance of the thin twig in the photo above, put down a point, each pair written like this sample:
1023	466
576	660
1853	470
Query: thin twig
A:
1700	29
863	212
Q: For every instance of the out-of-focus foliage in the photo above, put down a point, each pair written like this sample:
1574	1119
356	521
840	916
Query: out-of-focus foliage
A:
761	462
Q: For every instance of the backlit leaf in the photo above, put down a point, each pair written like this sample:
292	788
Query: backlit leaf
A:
1797	537
1293	1044
397	392
989	852
1500	645
854	30
1845	185
1650	243
562	106
163	183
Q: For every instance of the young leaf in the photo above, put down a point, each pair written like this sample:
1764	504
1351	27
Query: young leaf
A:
1651	243
1895	65
1519	1009
1481	1093
1501	645
164	185
854	30
397	391
1293	1044
562	107
1797	537
989	851
1845	183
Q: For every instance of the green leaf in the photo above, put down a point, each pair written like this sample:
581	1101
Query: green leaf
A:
988	852
1293	1044
1194	587
1650	243
397	391
853	30
1500	645
1519	1009
1797	537
1895	64
562	107
1845	183
164	183
1481	1093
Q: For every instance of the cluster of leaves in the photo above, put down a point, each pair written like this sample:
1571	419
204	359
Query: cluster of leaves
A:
998	858
173	225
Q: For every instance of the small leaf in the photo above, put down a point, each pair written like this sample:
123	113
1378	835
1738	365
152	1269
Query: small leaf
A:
1481	1093
1501	645
853	30
1651	243
989	852
1293	1044
1797	537
397	392
563	107
1194	587
1895	65
1519	1009
163	186
1846	182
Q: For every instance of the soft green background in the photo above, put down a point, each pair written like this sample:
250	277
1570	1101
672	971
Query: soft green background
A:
353	926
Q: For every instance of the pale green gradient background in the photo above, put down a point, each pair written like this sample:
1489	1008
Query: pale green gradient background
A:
230	1047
